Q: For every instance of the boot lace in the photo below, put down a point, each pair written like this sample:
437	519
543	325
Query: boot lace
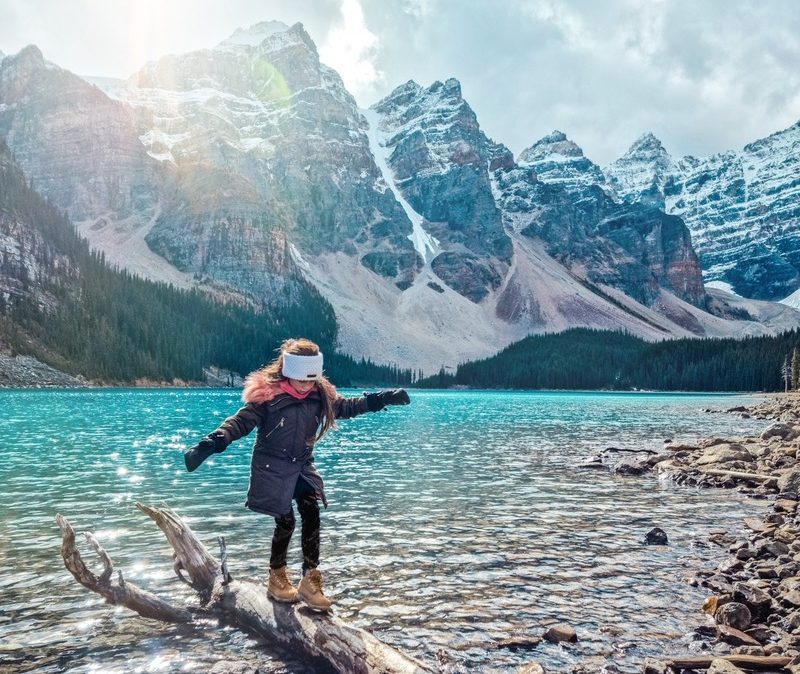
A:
280	577
315	580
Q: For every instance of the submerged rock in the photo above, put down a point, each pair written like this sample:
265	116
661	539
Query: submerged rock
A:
558	633
656	536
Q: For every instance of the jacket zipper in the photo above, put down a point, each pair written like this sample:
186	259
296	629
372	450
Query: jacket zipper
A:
274	428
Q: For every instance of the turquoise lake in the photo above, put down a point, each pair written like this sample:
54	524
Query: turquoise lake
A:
455	522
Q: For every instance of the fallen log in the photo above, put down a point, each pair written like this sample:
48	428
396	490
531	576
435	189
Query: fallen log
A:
755	477
758	662
345	647
625	449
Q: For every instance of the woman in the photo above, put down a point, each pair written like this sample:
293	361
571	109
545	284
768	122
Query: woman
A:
292	404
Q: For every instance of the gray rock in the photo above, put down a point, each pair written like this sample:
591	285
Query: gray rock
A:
720	666
651	666
733	614
789	481
531	668
758	601
559	633
656	536
772	549
724	453
780	430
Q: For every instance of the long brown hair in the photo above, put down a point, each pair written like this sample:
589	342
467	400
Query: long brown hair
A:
305	347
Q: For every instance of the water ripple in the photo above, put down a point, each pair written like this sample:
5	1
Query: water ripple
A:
454	523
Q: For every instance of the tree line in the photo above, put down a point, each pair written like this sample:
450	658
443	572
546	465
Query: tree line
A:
83	317
599	359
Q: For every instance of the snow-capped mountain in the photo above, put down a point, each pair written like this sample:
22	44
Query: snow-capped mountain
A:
643	170
742	207
243	167
558	160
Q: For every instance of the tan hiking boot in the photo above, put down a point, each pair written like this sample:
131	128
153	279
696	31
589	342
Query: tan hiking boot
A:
310	591
280	588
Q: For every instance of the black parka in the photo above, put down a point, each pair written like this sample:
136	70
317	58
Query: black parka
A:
283	450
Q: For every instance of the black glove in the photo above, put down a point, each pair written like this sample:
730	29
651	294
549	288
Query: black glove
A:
199	453
377	401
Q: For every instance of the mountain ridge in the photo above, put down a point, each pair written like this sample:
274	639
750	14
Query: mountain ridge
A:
432	244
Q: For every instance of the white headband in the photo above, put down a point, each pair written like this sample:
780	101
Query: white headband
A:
302	368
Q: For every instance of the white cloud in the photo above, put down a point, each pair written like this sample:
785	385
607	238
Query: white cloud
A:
703	76
351	49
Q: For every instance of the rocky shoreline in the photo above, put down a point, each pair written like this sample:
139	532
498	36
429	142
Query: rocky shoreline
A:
29	372
754	595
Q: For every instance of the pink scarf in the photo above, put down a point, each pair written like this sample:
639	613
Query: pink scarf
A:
286	387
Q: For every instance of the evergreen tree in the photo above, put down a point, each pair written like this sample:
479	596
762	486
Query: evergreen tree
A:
786	374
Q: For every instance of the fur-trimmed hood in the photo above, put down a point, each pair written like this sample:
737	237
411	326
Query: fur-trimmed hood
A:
258	389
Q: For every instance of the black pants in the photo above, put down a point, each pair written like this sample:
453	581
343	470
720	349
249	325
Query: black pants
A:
309	532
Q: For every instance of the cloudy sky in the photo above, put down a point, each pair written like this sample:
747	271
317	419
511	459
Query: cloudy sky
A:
703	76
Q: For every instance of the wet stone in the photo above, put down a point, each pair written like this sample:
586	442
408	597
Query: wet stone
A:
756	600
655	667
656	536
736	637
720	666
733	614
772	549
519	643
559	633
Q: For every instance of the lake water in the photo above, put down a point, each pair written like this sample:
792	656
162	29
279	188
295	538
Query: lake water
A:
453	523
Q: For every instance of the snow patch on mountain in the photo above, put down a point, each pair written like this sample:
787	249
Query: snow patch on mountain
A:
425	244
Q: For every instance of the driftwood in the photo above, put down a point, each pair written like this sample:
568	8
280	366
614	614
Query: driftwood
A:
347	648
759	662
625	449
755	477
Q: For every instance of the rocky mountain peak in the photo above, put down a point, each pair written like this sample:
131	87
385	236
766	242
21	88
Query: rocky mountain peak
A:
27	59
557	159
648	147
789	137
254	35
555	143
641	173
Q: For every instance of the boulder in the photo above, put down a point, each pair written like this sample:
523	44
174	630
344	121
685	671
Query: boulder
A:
656	536
632	467
779	430
734	614
724	453
558	633
736	637
772	549
519	643
789	481
720	666
651	666
757	601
